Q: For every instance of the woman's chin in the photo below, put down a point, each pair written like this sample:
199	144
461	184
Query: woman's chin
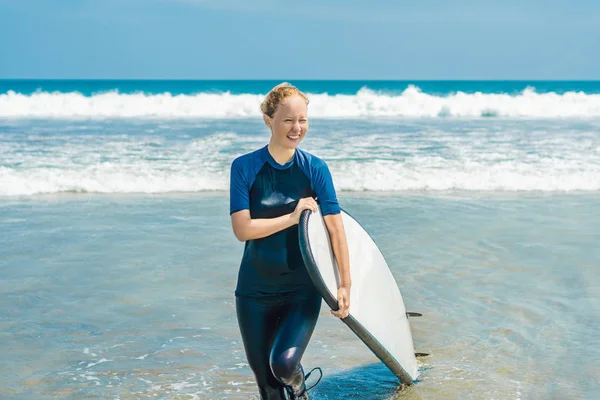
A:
288	143
292	144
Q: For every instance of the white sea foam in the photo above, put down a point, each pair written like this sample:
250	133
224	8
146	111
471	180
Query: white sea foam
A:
411	103
430	161
378	175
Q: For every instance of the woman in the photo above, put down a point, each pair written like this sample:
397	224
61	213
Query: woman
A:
276	302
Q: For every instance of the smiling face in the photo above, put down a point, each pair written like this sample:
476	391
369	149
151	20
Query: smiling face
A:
289	122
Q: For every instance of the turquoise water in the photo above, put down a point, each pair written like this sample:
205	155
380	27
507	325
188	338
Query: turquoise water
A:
118	264
89	87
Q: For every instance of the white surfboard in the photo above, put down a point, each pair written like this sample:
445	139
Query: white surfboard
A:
377	313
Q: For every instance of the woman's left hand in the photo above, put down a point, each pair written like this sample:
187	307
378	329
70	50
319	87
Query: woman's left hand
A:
343	298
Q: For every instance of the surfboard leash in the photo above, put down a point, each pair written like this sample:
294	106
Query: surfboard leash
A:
311	371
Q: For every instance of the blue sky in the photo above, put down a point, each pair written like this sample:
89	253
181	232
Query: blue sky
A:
279	39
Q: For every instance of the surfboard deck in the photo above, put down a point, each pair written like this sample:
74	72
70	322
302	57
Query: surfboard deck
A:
377	312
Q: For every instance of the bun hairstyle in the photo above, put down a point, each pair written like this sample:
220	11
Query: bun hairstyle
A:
277	95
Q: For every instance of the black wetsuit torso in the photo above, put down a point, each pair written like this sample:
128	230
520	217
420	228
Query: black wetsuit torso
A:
273	265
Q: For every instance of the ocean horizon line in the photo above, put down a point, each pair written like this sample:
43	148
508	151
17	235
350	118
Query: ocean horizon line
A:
403	80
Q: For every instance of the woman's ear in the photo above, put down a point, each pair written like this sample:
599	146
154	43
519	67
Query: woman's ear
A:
267	120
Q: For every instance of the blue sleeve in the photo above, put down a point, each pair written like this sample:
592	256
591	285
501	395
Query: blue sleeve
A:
322	183
239	189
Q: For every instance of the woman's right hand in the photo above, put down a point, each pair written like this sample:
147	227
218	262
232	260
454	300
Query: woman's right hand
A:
307	203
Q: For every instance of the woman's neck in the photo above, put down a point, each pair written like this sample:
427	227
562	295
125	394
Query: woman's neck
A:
281	155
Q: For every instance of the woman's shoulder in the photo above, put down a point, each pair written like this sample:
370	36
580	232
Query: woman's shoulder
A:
311	159
250	157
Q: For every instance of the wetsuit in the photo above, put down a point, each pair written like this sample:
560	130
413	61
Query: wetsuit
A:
277	304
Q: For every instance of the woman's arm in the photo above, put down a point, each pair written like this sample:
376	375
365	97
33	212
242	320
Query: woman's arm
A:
339	244
245	228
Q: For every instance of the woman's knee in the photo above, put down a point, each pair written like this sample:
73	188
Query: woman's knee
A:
284	365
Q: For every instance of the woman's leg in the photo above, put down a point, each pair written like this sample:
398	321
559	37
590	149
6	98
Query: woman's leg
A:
297	324
258	325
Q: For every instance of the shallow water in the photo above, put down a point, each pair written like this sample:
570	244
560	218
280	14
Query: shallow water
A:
131	296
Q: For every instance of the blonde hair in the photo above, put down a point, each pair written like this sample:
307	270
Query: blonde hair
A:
277	95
